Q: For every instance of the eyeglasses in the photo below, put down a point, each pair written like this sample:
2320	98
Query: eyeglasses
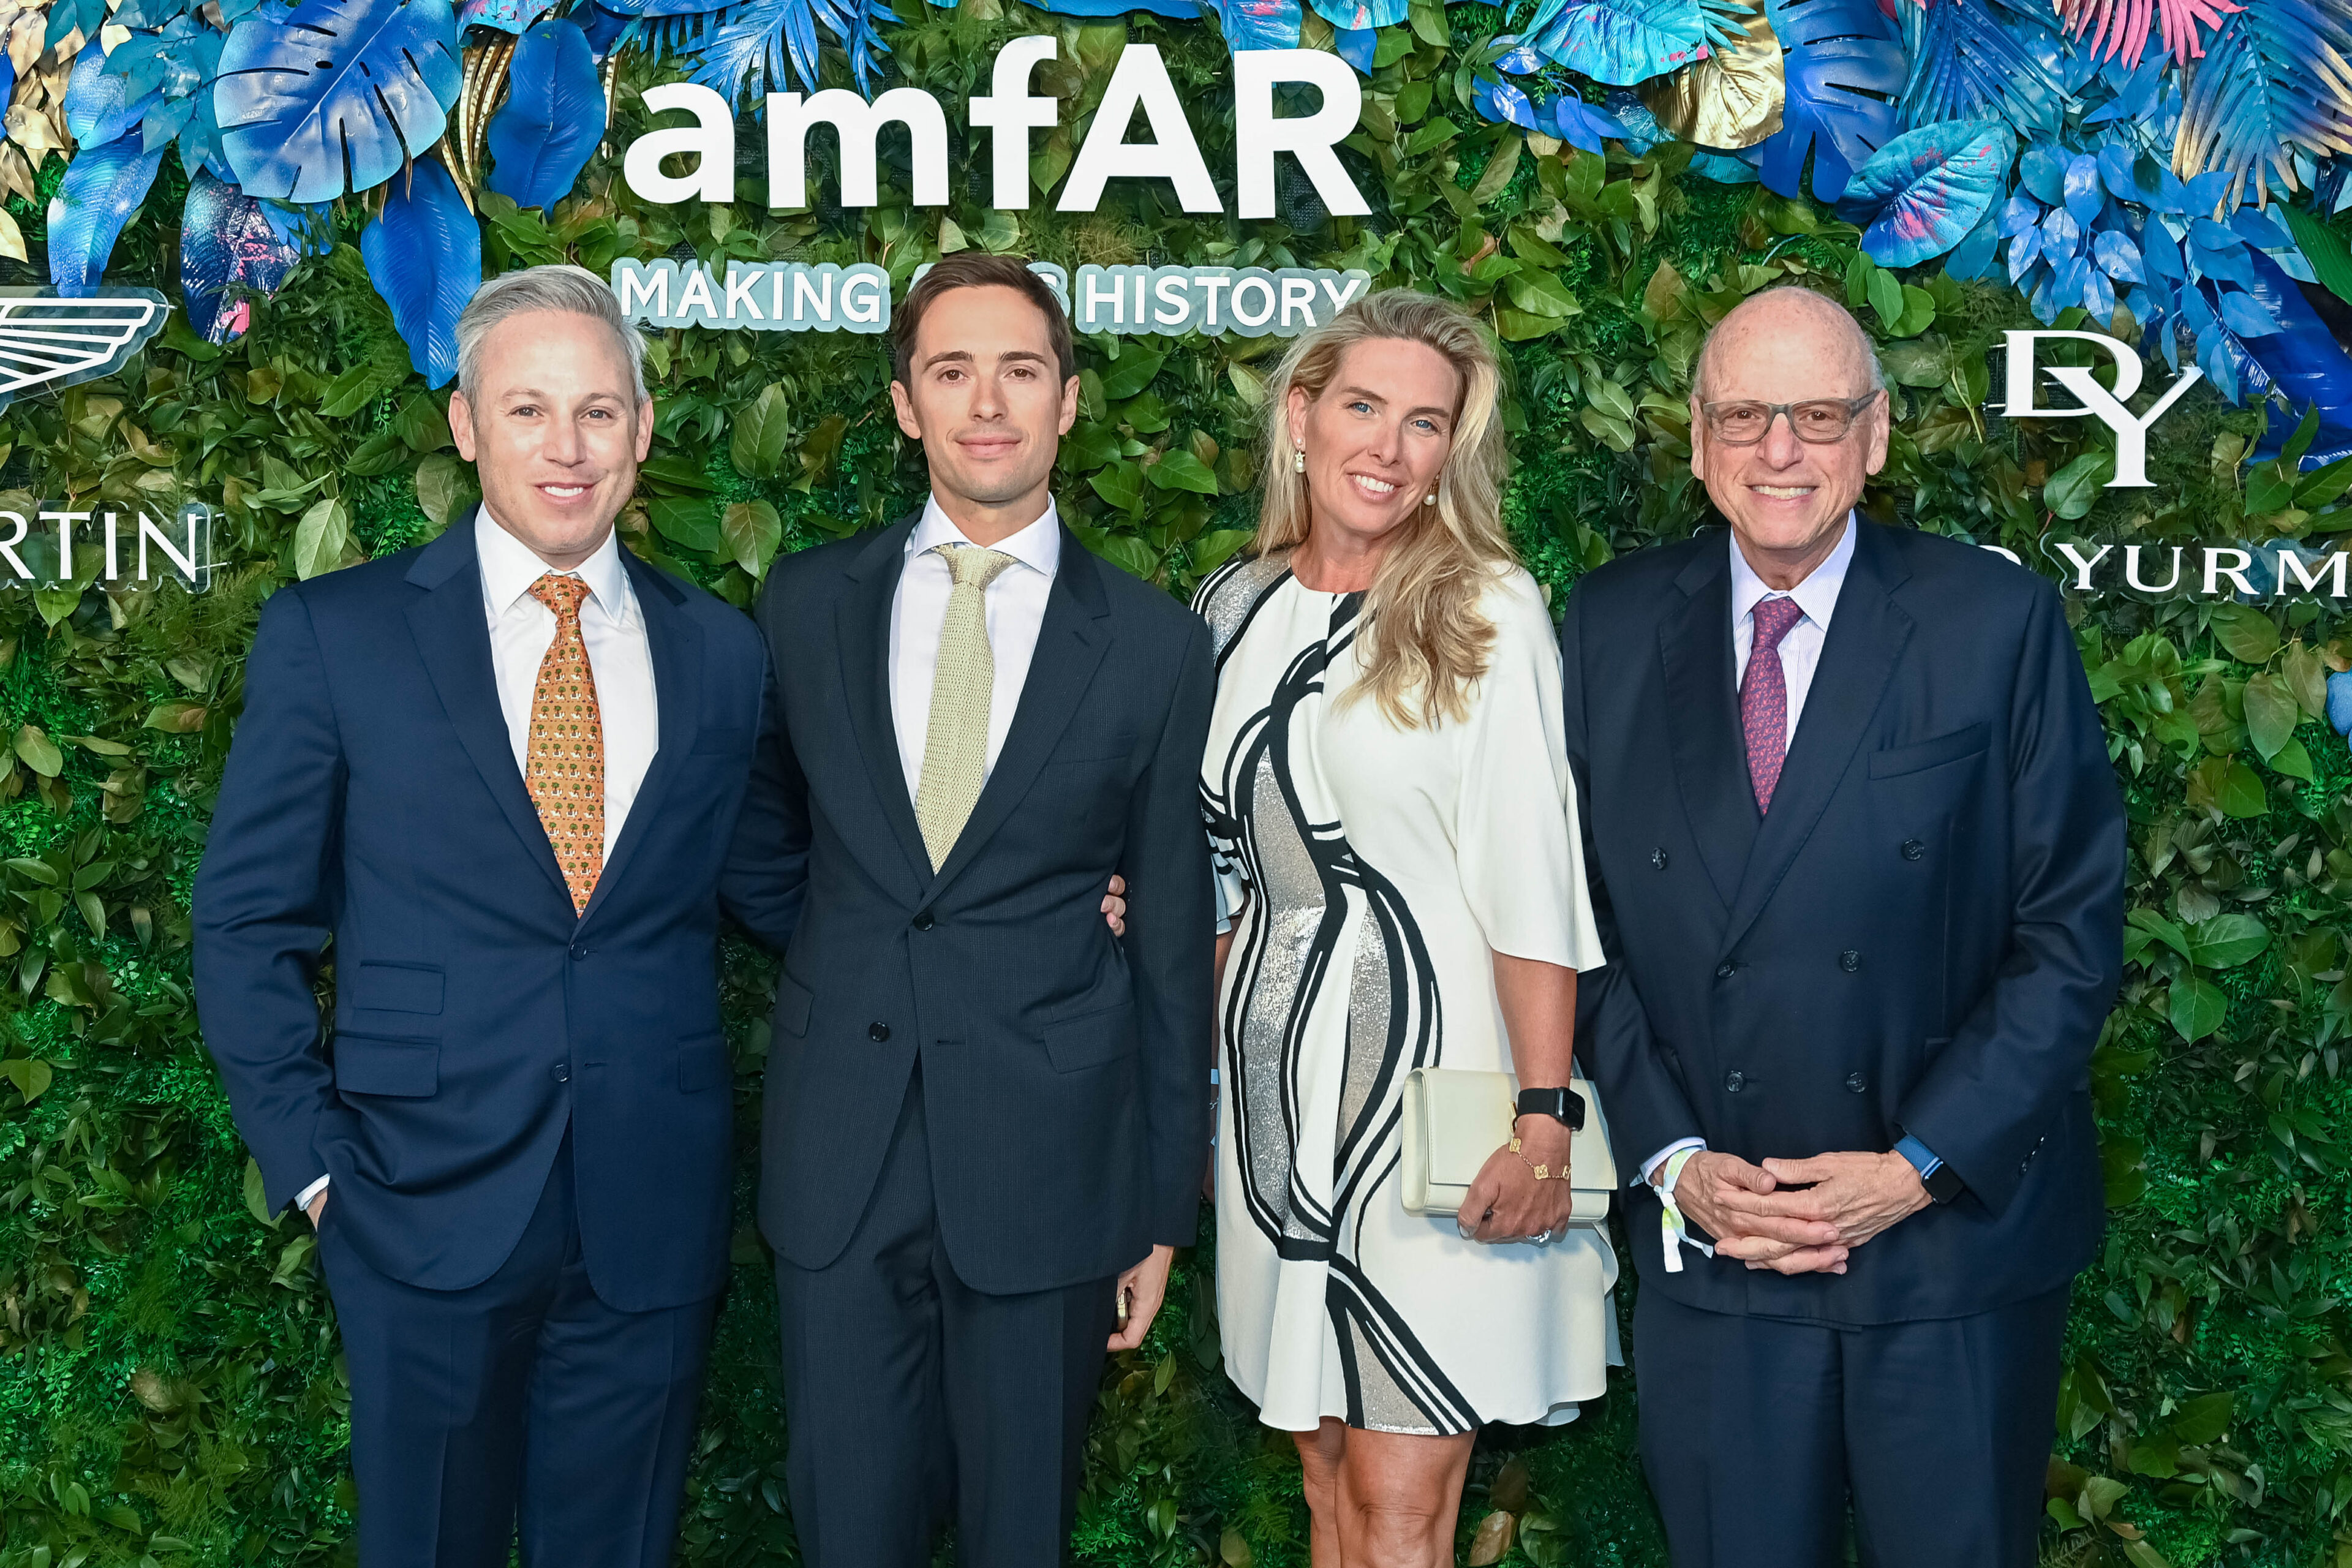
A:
1822	421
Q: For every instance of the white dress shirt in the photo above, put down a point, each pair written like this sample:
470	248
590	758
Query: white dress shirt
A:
1800	655
615	632
1015	608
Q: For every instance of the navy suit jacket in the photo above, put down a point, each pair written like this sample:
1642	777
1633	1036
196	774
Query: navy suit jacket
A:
1924	934
1065	1071
372	797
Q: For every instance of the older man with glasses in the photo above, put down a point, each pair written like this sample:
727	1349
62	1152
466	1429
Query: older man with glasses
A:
1858	855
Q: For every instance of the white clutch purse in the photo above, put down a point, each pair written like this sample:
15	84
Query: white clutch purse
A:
1455	1118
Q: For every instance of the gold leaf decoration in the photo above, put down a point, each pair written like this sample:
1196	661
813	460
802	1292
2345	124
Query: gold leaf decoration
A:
1731	99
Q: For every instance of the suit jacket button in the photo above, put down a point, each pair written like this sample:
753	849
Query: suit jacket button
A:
877	1033
923	920
562	1072
1913	849
1849	961
1856	1082
1734	1081
1726	970
1658	858
579	952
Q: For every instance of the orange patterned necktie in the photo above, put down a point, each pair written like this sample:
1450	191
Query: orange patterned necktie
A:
565	773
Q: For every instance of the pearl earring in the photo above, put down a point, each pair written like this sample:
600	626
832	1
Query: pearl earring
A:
1429	499
1298	460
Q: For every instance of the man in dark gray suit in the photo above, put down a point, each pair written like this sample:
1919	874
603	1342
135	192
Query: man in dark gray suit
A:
985	1115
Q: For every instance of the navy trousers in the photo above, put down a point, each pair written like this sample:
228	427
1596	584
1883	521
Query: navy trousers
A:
1759	1433
913	1397
522	1400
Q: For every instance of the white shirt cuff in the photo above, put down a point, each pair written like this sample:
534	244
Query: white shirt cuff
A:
302	1199
1663	1155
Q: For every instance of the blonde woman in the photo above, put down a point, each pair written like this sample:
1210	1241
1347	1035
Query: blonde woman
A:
1388	801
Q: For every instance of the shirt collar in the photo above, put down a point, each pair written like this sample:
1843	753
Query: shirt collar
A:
1037	546
1817	595
509	567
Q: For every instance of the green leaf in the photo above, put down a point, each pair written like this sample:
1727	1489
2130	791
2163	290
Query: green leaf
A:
1212	551
1120	484
2201	1420
1131	372
2197	1007
1498	170
1918	311
2073	488
756	434
2271	712
753	532
444	489
1540	294
39	752
1519	327
2294	762
1886	297
29	1074
2307	677
256	1192
693	523
2241	793
2248	634
321	538
384	369
422	424
2330	259
1177	469
2226	941
1429	25
1089	445
1130	556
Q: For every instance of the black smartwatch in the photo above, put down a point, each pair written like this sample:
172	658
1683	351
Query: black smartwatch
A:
1943	1183
1562	1105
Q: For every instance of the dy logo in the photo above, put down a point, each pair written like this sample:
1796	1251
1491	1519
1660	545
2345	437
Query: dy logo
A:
47	341
2107	407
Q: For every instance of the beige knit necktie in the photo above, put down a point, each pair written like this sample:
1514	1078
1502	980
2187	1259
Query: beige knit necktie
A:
955	747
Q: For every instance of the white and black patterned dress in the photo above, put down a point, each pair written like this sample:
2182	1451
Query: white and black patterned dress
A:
1378	870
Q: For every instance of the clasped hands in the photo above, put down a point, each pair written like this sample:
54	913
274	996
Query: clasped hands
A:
1796	1216
1507	1203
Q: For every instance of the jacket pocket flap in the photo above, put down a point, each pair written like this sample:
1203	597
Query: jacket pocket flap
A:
1091	1039
408	1070
1951	748
793	1002
395	987
703	1062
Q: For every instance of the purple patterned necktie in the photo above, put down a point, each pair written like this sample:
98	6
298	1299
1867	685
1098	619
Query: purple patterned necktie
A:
1764	698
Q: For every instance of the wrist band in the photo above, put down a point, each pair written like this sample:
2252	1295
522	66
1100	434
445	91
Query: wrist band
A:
1673	1237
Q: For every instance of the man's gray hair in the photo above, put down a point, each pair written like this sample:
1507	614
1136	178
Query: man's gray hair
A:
556	286
1862	347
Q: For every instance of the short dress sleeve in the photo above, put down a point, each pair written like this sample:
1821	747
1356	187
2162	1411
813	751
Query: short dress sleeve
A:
1517	837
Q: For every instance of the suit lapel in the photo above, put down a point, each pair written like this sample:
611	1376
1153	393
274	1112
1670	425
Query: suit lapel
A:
1702	720
1867	634
675	644
862	632
453	637
1071	642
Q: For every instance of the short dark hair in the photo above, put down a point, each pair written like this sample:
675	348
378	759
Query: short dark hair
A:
980	270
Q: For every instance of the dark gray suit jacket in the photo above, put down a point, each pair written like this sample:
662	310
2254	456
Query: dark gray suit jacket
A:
1065	1071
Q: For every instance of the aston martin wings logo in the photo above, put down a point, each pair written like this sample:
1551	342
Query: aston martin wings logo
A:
46	341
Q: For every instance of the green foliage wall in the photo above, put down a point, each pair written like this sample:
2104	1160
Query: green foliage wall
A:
170	1386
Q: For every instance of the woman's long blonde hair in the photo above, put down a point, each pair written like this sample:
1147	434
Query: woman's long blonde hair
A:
1428	642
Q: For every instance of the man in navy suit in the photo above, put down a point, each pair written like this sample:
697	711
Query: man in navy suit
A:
1859	858
503	773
